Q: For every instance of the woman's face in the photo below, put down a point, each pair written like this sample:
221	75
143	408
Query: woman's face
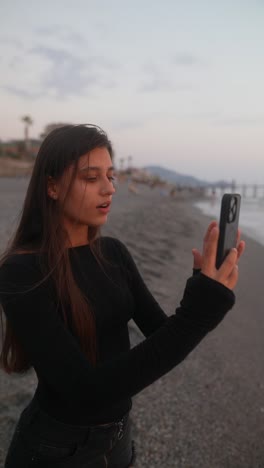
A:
89	199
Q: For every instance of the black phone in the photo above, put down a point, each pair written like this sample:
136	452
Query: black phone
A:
228	225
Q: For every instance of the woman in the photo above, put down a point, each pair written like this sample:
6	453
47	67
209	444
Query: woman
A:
68	294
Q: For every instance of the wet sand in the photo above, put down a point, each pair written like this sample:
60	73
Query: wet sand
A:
209	411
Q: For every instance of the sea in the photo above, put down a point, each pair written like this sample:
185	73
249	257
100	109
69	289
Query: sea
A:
251	220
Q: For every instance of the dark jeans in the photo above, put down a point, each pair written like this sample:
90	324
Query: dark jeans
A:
42	442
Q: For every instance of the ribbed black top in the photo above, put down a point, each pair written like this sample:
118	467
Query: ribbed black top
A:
69	388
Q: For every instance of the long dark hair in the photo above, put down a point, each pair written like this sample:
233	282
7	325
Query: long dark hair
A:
40	229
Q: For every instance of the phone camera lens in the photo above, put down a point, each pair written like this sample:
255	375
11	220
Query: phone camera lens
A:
232	202
232	210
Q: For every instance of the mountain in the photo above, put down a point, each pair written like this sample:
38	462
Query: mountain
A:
175	177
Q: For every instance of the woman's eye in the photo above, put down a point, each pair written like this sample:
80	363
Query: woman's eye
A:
94	179
91	179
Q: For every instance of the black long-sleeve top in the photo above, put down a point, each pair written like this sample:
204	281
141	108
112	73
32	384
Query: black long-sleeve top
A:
69	388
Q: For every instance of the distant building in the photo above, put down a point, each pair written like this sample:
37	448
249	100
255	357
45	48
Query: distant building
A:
17	149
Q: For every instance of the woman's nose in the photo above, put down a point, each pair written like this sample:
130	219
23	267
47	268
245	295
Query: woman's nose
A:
108	187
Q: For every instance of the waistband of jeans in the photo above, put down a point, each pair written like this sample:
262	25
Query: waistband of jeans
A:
40	423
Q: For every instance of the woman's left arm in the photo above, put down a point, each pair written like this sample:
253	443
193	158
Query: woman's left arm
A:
147	313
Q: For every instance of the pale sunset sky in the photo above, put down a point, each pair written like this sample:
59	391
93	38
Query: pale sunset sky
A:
174	83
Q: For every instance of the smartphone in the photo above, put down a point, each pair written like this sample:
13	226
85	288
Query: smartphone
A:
228	225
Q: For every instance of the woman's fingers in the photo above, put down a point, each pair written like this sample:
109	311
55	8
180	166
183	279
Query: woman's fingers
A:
232	279
212	225
197	256
197	259
240	245
240	248
209	252
227	266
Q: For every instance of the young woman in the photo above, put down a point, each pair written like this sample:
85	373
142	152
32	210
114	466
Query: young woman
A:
68	294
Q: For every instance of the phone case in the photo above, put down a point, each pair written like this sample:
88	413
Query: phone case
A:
228	225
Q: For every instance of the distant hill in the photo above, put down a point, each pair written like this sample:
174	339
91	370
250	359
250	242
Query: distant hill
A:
176	177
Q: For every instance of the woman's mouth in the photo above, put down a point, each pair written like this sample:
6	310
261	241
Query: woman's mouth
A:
104	208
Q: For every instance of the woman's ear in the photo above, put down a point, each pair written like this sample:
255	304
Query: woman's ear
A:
52	189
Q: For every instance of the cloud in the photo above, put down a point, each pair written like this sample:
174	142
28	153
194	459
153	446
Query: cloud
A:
60	32
163	85
71	75
47	30
15	61
185	59
157	80
56	71
9	41
66	74
23	93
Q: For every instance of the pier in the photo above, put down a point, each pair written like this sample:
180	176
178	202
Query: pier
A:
245	190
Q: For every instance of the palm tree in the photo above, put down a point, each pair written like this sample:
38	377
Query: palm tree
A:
27	121
121	161
129	161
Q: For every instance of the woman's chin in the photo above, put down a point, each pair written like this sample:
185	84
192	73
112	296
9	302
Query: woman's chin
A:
97	224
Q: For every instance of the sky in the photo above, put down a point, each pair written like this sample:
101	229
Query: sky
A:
173	83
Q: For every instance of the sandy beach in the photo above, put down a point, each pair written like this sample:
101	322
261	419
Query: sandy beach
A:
209	411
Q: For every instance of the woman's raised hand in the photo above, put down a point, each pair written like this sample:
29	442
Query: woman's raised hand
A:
227	274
